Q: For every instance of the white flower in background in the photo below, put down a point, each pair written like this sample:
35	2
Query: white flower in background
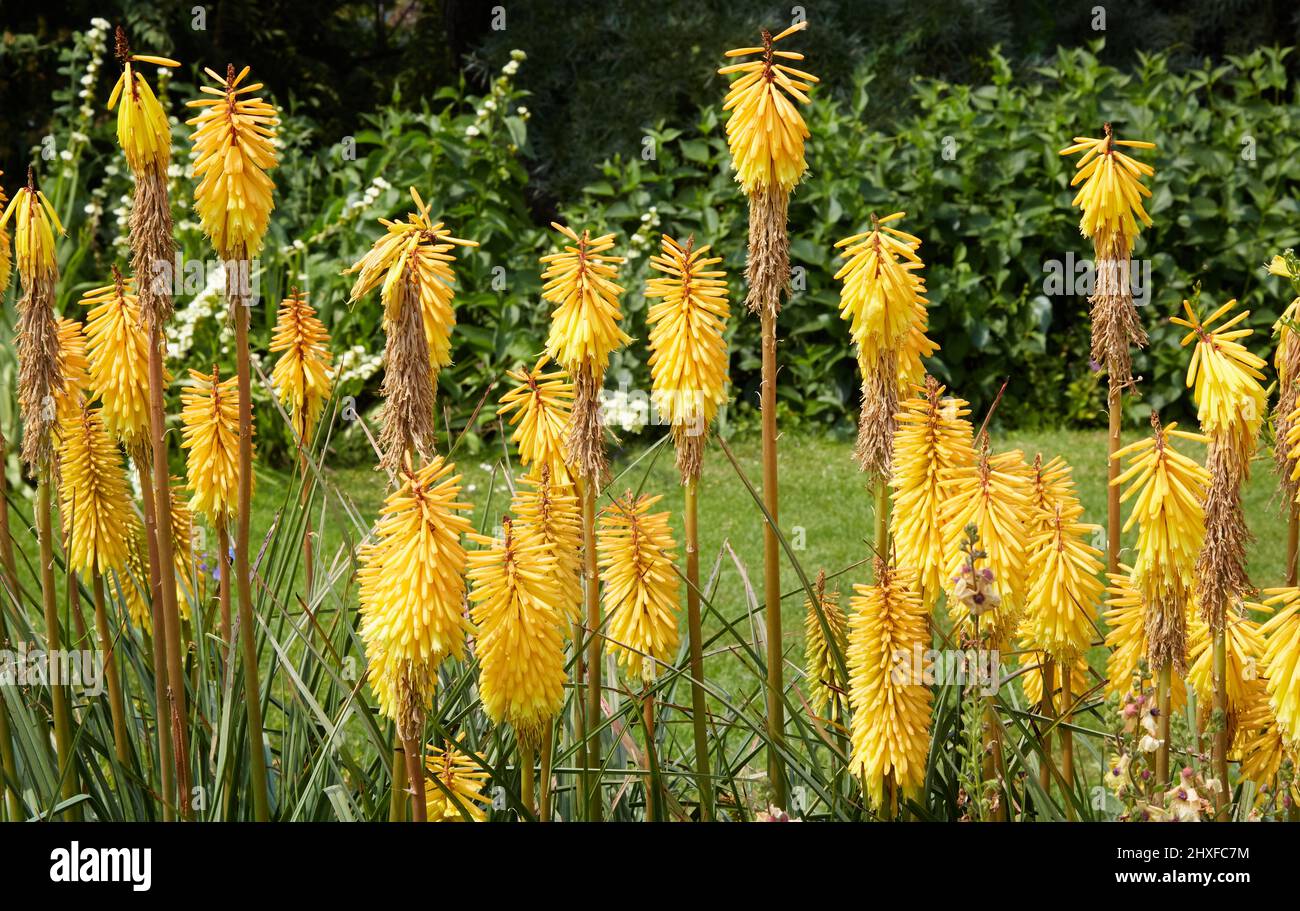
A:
471	131
517	54
511	68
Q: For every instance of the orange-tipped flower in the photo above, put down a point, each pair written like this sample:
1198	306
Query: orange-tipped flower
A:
520	641
688	360
413	589
455	789
210	415
34	224
1224	377
882	287
1112	191
117	346
539	408
1064	588
766	132
142	128
890	732
94	501
640	588
580	281
233	149
301	375
414	254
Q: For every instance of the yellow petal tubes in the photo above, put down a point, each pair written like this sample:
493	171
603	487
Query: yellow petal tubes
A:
1224	376
1170	490
766	132
1245	648
301	375
580	281
539	407
94	500
891	707
233	149
33	217
1126	639
991	494
1064	586
1281	659
688	355
882	288
117	346
1050	486
210	422
636	555
1112	191
412	590
552	512
455	786
933	437
520	641
825	683
72	369
414	256
142	128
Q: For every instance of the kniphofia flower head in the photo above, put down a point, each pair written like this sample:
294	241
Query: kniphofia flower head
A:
1112	191
932	437
1245	646
825	635
142	128
890	733
210	431
520	621
688	359
550	509
1065	587
1281	659
233	150
413	588
1224	376
73	367
539	406
35	222
882	287
580	281
414	256
766	132
640	590
117	347
301	375
1051	486
455	789
94	500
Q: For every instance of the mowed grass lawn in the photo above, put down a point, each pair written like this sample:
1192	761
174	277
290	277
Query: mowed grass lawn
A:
826	513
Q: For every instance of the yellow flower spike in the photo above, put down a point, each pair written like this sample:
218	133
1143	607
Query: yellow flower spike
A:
1126	638
520	641
1245	650
825	683
890	732
1261	745
134	580
1224	377
1065	588
1051	486
992	493
552	511
883	296
688	359
210	431
765	131
1112	191
189	582
1281	659
416	252
932	437
301	375
455	785
636	556
117	346
539	407
73	369
94	500
234	147
413	588
6	258
1168	490
580	281
142	128
916	347
35	222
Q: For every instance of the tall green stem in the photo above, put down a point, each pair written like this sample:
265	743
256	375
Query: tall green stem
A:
243	581
53	643
158	638
116	706
699	705
1220	748
1163	700
772	570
